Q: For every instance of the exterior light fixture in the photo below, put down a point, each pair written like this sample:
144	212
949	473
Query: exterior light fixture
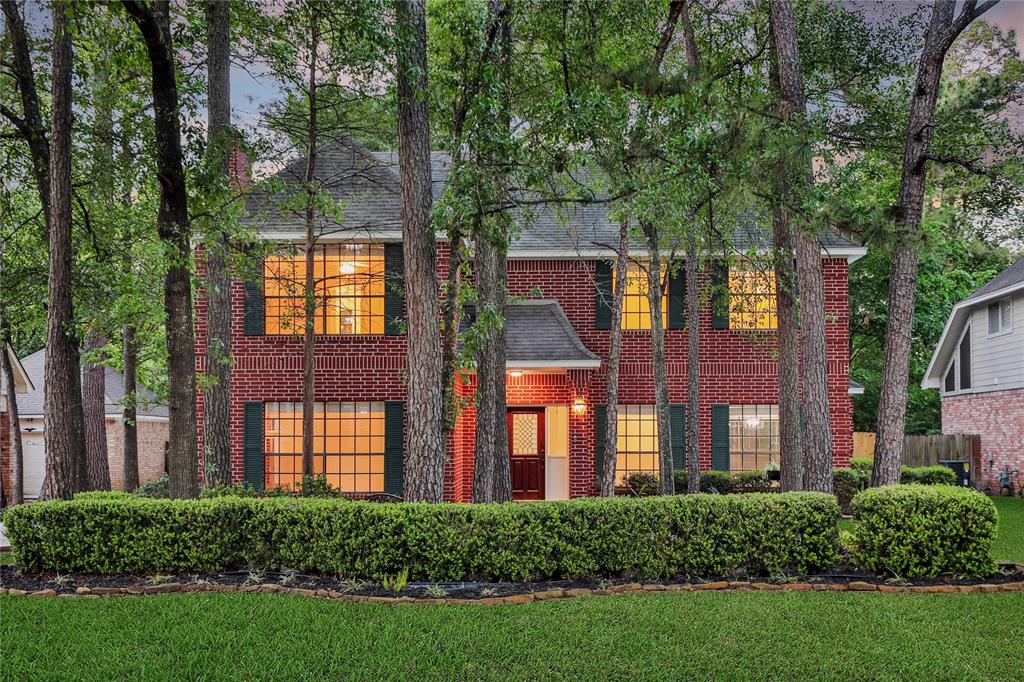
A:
579	405
516	373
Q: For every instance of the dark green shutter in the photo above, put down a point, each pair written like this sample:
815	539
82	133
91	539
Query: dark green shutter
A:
720	295
394	289
253	324
603	297
720	437
677	419
677	297
600	427
394	447
252	445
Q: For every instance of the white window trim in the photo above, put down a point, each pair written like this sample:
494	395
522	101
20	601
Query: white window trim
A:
954	361
1006	330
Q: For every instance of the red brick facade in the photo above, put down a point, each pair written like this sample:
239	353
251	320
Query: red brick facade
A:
5	460
738	367
999	417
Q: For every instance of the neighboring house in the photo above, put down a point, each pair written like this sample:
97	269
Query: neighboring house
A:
557	329
151	419
978	368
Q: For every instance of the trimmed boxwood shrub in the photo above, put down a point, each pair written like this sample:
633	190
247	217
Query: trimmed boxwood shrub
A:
693	535
919	531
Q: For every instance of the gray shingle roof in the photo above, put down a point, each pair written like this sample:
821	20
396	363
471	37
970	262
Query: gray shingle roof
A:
538	331
31	403
1007	278
366	184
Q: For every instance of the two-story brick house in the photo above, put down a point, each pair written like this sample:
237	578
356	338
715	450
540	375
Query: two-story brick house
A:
557	328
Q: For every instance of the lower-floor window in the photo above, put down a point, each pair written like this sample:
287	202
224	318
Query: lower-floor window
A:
636	442
753	437
348	445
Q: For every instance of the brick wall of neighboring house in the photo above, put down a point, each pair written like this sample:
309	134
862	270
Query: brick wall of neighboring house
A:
152	437
5	455
998	417
737	367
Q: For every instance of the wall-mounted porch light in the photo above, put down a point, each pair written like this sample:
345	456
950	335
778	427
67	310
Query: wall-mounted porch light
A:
579	406
516	373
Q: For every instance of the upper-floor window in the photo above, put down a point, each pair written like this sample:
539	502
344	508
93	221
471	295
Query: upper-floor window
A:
753	437
752	301
1000	316
958	374
349	286
636	306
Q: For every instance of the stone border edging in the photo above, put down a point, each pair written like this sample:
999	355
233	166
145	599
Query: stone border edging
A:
525	598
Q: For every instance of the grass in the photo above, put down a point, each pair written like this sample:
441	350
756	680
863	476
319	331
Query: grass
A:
1009	545
652	636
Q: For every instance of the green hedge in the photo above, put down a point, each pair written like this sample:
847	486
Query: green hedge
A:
693	535
919	531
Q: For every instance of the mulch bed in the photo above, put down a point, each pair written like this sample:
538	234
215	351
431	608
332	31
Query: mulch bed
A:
1010	577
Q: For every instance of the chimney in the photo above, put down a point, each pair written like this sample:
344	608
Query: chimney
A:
239	167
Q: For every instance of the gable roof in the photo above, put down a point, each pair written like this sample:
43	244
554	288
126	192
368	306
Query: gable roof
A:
31	403
1012	276
538	334
1009	281
22	381
366	185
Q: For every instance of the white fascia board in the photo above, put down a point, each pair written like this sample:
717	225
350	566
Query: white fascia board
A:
855	390
850	253
553	364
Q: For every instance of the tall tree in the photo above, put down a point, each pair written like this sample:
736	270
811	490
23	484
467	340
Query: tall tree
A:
62	402
791	460
796	176
154	24
94	398
424	470
944	28
216	398
129	426
611	428
491	227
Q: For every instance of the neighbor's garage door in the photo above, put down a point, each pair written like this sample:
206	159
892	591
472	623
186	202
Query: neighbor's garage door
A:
35	462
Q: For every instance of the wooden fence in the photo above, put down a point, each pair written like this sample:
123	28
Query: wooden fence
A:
925	450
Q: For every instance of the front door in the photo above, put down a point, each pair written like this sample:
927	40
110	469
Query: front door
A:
526	449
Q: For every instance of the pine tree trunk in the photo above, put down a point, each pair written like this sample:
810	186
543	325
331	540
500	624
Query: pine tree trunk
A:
692	294
14	423
425	460
217	397
62	403
692	366
892	401
611	429
309	287
661	400
128	418
94	413
817	431
491	474
153	21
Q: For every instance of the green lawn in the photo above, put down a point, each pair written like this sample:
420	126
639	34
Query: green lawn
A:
1010	539
655	636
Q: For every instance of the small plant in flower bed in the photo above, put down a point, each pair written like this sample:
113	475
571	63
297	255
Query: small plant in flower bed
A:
725	482
919	531
655	537
643	485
